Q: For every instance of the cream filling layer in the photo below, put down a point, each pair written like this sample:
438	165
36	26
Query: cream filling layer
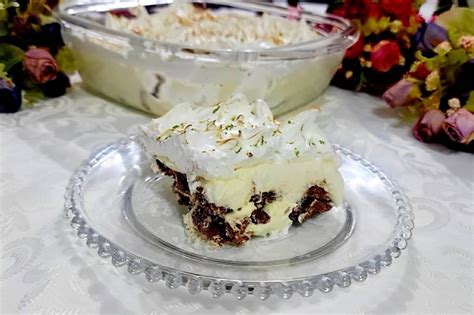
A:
289	180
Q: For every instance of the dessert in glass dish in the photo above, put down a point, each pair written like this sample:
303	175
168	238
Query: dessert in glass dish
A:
202	28
240	172
162	54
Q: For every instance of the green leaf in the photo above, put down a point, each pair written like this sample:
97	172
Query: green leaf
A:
459	19
10	55
32	96
454	35
3	23
67	63
470	103
419	56
408	115
457	56
3	15
432	64
412	109
372	25
383	23
3	74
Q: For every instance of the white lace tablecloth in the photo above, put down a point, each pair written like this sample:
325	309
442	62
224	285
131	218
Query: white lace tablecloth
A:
45	268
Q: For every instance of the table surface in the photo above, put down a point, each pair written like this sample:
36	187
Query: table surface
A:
47	269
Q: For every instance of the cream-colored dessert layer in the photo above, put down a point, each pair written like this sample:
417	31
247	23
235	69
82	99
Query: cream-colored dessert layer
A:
236	150
184	23
289	180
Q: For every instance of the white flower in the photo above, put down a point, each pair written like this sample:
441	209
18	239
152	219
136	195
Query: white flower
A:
454	103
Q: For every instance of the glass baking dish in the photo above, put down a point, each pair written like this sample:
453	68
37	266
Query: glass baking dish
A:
153	76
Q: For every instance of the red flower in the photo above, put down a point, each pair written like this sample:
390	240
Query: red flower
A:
398	8
338	10
358	9
385	55
355	50
420	72
40	65
355	9
408	14
374	10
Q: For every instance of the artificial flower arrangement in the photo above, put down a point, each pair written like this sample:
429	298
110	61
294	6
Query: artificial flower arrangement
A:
34	62
438	91
386	46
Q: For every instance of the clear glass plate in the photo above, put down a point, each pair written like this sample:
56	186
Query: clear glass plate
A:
126	212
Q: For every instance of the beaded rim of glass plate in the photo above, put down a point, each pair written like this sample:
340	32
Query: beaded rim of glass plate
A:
217	287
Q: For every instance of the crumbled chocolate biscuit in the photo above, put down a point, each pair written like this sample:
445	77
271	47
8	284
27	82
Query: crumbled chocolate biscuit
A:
259	217
209	219
180	185
261	200
315	201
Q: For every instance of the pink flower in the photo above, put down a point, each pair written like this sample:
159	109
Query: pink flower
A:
401	94
459	127
40	65
428	127
294	12
385	55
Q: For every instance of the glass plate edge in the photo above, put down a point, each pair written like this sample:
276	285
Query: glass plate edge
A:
195	283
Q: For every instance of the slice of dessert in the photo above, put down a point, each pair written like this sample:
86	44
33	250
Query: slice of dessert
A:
240	172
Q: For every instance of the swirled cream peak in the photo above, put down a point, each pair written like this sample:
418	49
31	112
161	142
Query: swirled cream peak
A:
216	141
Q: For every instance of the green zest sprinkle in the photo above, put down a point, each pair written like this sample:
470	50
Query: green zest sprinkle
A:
174	127
238	150
216	109
229	126
297	152
322	142
275	132
311	143
301	129
290	122
260	141
290	142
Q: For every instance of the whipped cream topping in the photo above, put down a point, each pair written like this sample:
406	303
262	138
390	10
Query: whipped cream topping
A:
186	24
214	142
